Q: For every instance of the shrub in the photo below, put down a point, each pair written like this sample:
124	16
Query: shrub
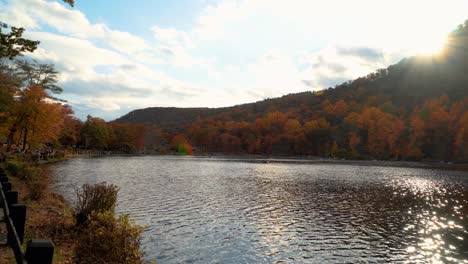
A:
107	239
94	198
35	180
36	188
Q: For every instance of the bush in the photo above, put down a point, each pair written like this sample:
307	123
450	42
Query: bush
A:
35	180
36	188
107	239
94	198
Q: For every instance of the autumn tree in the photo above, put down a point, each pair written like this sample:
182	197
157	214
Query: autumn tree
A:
181	145
354	141
126	138
461	139
70	133
47	124
380	131
35	119
432	130
317	137
9	86
340	108
230	143
271	123
95	133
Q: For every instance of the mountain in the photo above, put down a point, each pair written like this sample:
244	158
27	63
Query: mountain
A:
409	82
413	102
174	117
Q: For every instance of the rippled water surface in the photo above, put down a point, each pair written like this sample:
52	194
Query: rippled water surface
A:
218	211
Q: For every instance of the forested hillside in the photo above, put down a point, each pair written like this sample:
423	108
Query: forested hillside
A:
415	109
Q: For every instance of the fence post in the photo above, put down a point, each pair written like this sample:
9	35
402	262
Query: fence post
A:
18	216
3	178
6	187
39	251
11	197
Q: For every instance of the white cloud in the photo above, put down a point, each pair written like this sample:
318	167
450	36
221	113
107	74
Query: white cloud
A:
126	42
74	57
171	36
72	23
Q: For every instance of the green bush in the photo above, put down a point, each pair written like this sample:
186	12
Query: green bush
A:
94	198
107	239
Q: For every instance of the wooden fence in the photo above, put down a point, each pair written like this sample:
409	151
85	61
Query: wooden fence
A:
37	250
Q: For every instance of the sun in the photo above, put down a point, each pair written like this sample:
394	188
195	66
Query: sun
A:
430	45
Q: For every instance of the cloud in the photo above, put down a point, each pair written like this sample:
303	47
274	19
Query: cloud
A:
93	60
364	52
105	87
171	36
126	42
75	54
73	23
334	65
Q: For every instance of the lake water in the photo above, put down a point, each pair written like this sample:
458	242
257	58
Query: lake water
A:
202	210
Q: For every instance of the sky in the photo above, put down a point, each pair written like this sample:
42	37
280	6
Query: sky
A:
117	56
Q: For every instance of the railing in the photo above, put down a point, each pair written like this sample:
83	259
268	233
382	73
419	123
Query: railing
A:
38	250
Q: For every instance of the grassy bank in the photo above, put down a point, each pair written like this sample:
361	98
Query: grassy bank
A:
48	214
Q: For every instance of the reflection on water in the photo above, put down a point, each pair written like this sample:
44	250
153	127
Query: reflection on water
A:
219	211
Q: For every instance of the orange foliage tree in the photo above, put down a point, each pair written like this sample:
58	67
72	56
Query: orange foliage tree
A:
35	119
181	145
381	131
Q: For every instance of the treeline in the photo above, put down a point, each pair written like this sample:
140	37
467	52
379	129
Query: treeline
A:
97	134
437	130
31	118
413	110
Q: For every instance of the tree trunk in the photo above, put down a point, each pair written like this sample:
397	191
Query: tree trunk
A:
19	138
25	138
11	134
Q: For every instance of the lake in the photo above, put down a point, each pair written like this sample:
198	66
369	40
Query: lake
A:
212	210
